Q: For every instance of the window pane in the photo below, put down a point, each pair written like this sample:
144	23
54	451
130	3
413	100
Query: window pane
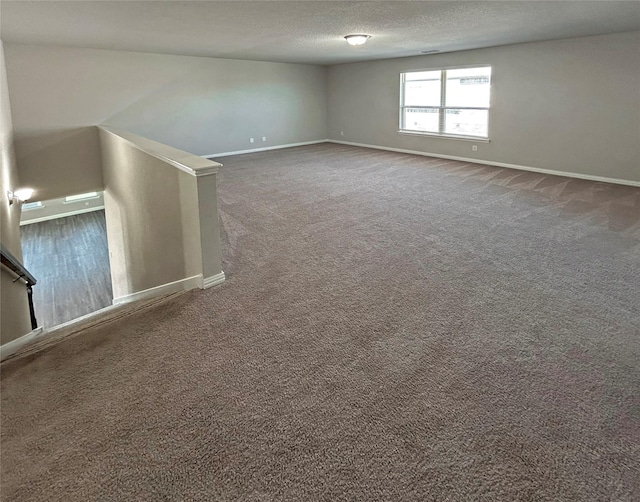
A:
421	119
422	88
422	75
468	87
467	122
31	205
82	196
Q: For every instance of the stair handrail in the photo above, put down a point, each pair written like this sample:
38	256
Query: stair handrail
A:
12	263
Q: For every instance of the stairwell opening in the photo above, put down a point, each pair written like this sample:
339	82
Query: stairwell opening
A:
64	245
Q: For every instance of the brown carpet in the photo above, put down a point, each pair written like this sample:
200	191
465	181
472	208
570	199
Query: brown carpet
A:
394	328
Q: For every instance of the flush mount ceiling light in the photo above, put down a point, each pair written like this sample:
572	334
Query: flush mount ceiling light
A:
358	39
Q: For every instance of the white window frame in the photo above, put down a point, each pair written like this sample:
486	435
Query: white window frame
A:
71	199
32	206
443	107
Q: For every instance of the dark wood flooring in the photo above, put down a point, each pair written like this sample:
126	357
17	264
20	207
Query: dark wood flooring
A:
70	259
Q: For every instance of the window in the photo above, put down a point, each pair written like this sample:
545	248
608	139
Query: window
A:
82	196
28	206
450	103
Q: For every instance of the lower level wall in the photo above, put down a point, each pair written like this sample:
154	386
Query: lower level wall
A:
59	208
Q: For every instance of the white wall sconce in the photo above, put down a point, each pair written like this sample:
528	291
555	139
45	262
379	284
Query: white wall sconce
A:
21	195
357	39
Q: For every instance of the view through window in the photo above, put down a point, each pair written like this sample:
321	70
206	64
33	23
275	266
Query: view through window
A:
450	102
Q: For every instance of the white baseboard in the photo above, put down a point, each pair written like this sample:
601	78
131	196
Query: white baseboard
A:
589	177
14	346
61	215
209	282
264	149
194	282
81	319
164	289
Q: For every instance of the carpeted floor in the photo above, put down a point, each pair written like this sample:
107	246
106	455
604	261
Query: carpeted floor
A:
394	328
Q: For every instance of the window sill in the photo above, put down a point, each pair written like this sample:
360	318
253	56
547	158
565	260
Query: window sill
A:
445	136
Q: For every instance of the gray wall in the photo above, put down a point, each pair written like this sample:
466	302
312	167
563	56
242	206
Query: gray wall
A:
200	105
144	214
568	105
14	310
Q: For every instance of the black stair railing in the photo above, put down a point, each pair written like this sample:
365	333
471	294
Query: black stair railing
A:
13	264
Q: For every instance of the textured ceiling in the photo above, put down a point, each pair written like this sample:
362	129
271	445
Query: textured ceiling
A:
306	31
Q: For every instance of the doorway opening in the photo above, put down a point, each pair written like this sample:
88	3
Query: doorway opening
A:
64	245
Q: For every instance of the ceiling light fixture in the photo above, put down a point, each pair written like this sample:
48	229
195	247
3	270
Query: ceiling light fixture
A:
358	39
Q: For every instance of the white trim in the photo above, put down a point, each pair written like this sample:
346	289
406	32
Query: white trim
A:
164	289
81	319
264	149
200	171
567	174
206	171
214	280
146	145
61	215
457	67
14	346
444	136
76	198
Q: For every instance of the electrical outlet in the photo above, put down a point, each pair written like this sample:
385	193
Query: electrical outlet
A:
250	140
341	133
474	148
264	138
